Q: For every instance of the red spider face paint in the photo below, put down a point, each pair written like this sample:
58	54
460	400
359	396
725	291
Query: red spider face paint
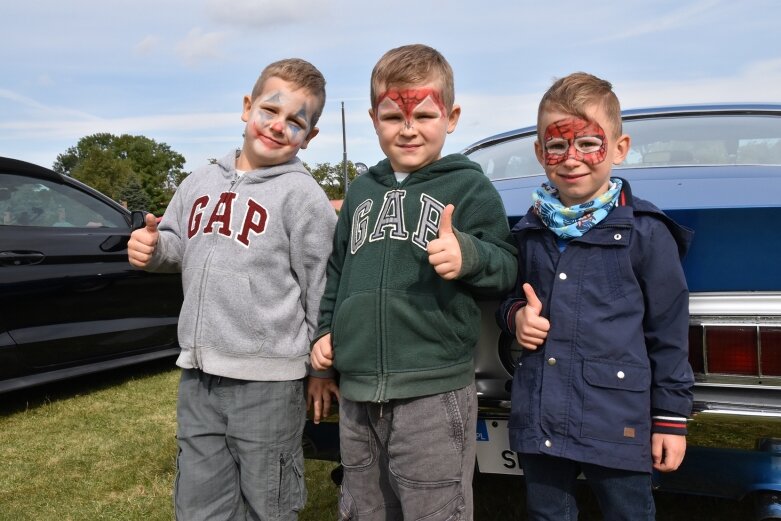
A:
409	99
412	124
574	137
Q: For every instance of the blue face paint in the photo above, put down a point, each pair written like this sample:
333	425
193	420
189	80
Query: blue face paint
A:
278	102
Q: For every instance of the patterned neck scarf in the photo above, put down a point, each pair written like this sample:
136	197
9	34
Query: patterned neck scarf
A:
573	221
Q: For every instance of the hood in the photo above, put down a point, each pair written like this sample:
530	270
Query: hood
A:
260	175
382	172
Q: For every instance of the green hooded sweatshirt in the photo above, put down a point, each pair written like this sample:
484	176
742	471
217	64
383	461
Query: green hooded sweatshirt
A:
399	330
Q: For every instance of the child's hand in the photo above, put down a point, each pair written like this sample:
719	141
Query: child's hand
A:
318	393
142	243
322	355
444	252
667	451
531	329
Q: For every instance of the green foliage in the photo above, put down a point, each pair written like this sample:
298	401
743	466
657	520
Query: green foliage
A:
135	195
331	177
119	166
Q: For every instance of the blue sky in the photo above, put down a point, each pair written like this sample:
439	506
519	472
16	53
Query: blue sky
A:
176	70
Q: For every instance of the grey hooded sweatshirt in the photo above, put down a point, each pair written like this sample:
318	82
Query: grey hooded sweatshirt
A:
252	250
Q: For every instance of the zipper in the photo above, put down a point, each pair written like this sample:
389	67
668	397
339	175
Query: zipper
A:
204	276
383	377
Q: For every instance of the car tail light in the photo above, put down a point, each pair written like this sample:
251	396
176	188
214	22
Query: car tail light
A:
732	350
771	351
741	350
695	349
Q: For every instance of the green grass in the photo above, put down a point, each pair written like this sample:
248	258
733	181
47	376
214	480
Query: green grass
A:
103	447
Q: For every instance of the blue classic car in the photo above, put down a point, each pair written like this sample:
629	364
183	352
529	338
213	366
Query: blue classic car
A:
717	170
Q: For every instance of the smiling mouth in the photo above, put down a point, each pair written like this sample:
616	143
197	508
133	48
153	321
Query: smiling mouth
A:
571	177
270	141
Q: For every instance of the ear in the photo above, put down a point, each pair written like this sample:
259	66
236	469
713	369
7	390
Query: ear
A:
373	117
247	109
309	137
452	119
538	152
623	144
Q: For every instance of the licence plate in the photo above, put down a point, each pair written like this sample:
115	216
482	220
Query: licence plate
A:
493	448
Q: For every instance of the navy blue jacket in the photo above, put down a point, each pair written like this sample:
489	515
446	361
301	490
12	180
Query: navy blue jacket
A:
618	307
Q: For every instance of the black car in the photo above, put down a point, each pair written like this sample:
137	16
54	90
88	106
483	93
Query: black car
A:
70	303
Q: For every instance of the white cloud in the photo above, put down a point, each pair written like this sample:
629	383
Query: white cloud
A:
257	14
44	80
147	45
756	82
69	128
28	103
198	47
682	17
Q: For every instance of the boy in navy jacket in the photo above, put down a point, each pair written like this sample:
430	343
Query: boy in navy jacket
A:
603	385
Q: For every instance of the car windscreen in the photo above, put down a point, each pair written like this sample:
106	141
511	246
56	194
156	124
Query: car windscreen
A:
704	140
658	142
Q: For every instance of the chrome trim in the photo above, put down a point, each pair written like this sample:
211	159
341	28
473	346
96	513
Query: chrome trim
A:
740	386
729	305
741	412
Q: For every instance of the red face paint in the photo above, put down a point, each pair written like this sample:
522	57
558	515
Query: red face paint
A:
408	99
577	138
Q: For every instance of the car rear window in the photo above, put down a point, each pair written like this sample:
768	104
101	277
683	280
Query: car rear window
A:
659	142
704	140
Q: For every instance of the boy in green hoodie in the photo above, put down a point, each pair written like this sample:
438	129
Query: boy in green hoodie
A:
418	237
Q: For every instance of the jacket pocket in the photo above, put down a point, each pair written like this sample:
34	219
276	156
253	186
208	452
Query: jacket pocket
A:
616	402
427	336
230	318
525	389
355	334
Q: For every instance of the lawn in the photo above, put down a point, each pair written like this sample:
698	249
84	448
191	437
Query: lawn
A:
102	448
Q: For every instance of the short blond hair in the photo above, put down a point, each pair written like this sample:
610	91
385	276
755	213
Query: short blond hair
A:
300	73
573	94
410	65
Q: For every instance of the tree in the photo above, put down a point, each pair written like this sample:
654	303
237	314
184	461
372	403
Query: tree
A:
120	166
331	177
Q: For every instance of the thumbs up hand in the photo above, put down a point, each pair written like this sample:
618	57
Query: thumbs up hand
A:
444	252
142	243
531	329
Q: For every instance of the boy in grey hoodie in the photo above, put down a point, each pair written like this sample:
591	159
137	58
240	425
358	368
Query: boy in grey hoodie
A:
248	234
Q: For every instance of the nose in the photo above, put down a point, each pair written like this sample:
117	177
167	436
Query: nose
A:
573	154
408	128
277	125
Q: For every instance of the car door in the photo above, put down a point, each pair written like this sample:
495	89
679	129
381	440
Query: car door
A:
69	295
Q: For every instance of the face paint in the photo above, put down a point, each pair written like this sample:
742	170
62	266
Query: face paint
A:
408	100
272	109
574	137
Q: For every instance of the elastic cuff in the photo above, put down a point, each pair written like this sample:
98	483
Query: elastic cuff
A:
469	255
509	318
669	425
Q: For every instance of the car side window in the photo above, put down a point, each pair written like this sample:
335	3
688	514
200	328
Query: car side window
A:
29	201
514	158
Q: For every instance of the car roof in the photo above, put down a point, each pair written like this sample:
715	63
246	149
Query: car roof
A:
7	163
770	109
